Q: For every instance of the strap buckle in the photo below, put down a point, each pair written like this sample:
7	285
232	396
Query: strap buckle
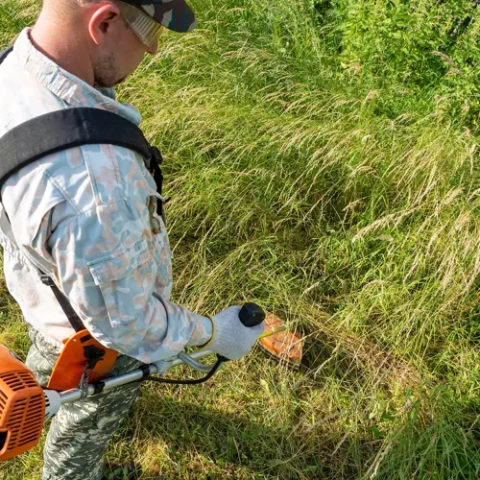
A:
93	355
46	280
155	155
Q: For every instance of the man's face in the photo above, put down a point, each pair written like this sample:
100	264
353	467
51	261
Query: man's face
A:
115	64
118	55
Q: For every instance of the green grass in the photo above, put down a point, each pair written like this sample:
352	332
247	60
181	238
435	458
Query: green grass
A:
322	159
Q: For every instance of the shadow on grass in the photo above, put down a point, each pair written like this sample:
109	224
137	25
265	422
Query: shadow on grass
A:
198	440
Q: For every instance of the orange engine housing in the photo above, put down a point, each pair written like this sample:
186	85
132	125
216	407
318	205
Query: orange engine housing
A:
22	407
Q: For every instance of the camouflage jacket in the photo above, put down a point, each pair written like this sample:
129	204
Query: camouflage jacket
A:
87	217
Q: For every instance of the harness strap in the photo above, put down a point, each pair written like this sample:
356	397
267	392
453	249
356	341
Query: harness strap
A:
70	313
64	129
4	53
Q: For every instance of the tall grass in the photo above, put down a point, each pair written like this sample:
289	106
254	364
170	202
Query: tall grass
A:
322	160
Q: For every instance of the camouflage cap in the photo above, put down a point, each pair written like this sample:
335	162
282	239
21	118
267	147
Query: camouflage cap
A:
174	14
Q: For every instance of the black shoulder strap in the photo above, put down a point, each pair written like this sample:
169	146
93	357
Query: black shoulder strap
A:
65	129
4	53
69	128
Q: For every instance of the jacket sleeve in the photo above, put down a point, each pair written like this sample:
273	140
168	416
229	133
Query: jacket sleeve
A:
113	262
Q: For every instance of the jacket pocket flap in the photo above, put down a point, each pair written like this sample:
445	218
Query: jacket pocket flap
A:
121	263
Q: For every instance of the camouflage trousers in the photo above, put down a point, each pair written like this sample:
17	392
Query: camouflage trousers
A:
80	431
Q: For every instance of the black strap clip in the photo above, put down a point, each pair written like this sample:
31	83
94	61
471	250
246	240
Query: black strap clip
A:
156	155
93	355
155	170
46	280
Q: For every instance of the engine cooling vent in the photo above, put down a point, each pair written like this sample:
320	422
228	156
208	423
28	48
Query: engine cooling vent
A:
22	411
18	380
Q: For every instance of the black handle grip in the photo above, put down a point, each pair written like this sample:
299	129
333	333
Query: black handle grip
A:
251	315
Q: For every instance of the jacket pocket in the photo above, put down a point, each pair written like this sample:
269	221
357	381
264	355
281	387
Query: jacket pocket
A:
126	279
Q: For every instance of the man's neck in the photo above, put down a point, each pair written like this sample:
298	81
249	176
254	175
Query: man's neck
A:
71	55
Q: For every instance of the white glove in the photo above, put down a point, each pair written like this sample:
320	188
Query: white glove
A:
231	338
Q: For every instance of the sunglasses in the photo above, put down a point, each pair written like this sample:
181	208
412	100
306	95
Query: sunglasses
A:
145	27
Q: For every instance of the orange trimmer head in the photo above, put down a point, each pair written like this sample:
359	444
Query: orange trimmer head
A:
284	346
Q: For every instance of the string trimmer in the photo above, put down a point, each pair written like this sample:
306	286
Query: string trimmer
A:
25	405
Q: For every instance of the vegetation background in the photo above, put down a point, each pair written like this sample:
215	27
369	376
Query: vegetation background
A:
322	159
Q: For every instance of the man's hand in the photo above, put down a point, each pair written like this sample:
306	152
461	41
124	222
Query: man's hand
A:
231	338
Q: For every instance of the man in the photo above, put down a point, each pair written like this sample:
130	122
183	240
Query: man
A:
87	218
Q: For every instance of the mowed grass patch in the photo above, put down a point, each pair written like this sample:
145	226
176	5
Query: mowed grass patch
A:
306	176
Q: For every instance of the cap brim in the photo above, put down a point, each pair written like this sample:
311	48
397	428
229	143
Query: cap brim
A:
175	15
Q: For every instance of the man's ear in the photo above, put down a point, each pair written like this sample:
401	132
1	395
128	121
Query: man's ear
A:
103	20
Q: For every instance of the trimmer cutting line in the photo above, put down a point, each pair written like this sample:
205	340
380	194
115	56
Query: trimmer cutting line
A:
25	405
281	345
269	333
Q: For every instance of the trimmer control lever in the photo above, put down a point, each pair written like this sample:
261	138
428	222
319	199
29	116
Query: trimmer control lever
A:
251	314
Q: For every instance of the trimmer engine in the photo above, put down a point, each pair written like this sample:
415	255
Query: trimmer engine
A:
22	407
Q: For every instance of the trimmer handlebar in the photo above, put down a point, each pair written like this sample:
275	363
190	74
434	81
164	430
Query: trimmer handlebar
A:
25	405
250	315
